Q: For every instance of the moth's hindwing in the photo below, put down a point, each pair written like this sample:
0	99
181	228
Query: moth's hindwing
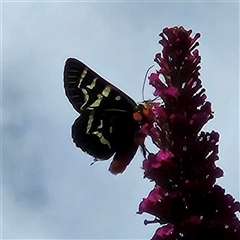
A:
102	133
106	125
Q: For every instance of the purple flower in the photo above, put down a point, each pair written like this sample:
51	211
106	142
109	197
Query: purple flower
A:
186	200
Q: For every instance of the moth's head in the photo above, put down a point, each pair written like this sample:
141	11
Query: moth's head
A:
143	111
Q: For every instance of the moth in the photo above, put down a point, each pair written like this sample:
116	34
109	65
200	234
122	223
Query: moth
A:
108	124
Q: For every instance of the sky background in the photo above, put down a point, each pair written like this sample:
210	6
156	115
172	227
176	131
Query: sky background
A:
49	189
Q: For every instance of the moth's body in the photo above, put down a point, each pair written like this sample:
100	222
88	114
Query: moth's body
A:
106	125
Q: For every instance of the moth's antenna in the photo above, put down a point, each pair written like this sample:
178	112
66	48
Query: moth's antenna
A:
145	78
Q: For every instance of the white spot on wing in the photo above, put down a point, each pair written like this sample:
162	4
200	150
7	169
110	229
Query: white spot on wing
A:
93	84
84	73
86	97
106	91
89	124
97	102
103	140
117	98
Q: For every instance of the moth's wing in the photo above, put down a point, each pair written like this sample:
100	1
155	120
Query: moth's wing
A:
90	139
101	134
106	125
84	87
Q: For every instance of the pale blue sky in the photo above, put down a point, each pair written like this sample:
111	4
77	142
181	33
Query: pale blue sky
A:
49	189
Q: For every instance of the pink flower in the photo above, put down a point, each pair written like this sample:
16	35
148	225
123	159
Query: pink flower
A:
186	198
